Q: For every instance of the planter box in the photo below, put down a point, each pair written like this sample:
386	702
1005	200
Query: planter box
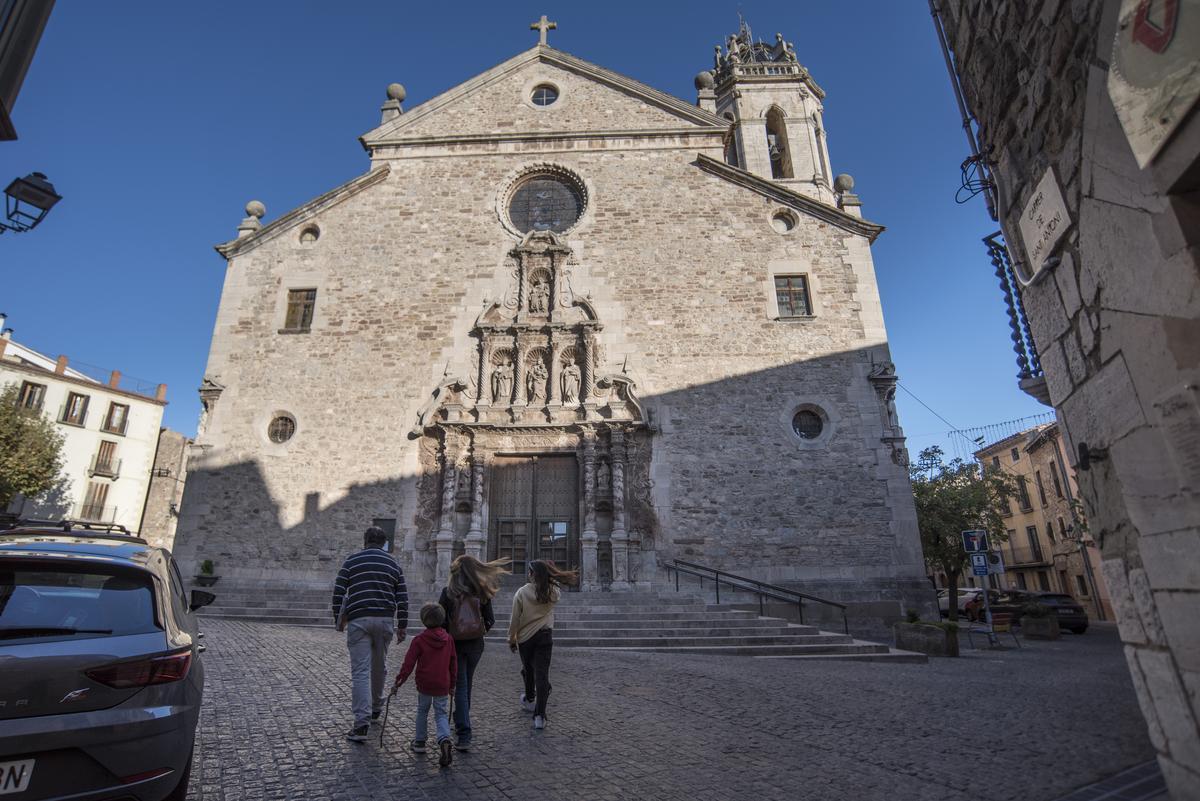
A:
1040	628
205	580
925	639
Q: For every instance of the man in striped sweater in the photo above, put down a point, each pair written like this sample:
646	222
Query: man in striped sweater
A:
368	592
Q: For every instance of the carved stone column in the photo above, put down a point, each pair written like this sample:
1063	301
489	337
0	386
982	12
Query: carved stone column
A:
587	389
444	541
484	393
620	538
590	578
553	393
476	541
519	397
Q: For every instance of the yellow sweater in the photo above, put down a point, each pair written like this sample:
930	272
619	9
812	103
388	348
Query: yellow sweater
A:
528	616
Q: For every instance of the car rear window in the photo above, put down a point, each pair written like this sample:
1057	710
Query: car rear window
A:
39	601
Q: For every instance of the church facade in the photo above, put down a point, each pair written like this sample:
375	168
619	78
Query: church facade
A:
566	316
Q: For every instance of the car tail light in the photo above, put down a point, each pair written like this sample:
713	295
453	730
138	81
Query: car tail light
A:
143	672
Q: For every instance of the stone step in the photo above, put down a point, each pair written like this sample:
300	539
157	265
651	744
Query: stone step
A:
648	620
791	650
661	641
892	655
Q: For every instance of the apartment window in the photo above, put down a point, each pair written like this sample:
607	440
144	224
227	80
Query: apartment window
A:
93	503
1063	583
117	418
301	303
1062	528
1023	493
791	294
993	582
31	396
1021	581
105	463
1043	581
1037	476
1054	480
1035	544
75	411
996	461
1081	585
1016	455
1050	532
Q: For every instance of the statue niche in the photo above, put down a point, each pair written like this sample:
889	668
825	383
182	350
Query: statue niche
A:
502	377
536	376
539	293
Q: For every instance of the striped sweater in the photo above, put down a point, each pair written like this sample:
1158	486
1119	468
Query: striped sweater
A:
371	584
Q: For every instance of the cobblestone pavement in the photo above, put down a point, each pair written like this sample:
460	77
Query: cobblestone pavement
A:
1027	725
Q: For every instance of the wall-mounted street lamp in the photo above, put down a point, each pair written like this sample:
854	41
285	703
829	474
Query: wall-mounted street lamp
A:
27	200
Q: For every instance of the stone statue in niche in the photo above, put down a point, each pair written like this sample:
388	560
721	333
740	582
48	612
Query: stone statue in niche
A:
603	477
464	481
539	298
502	383
892	418
535	381
570	383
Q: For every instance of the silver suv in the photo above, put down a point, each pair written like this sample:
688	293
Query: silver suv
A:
100	671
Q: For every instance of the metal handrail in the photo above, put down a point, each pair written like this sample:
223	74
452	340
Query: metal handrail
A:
759	588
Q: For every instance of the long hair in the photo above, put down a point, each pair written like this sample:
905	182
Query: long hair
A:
469	576
546	576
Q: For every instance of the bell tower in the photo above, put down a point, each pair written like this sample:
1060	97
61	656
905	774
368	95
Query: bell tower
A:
775	108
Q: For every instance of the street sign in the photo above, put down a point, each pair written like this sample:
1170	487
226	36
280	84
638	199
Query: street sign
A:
979	564
995	563
975	541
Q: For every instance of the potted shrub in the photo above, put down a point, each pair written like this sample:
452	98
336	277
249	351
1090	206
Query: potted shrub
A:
932	639
206	577
1039	622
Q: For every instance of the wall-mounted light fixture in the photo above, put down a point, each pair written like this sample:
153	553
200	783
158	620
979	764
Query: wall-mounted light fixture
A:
27	200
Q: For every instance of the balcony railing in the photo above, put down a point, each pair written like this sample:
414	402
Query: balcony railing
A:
1029	366
109	468
1024	555
96	513
78	419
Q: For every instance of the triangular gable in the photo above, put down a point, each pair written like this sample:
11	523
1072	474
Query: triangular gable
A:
672	109
795	200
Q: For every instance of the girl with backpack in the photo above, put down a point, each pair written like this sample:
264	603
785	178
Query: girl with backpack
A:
531	631
467	599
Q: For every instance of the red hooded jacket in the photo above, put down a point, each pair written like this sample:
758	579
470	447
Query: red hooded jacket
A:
432	653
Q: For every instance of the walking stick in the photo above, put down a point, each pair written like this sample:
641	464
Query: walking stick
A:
386	707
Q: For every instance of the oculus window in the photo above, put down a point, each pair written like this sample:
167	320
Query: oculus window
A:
281	429
791	295
545	203
544	95
807	424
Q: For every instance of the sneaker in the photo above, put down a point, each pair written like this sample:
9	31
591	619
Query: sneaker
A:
418	746
539	722
358	734
528	706
447	753
463	744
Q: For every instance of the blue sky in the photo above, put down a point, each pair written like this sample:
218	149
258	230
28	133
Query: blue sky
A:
158	121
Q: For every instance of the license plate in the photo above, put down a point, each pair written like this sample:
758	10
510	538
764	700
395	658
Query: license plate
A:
14	776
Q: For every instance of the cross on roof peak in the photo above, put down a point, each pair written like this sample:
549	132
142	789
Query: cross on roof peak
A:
542	26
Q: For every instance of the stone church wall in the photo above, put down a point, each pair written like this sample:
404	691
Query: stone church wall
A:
677	263
1115	320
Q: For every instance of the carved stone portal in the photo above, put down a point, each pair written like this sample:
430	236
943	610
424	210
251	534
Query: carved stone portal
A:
542	391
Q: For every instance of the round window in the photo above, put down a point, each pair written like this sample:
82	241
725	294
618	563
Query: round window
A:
783	222
544	95
807	424
281	429
545	203
310	234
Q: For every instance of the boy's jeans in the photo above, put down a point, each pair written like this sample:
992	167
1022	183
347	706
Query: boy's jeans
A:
368	639
441	716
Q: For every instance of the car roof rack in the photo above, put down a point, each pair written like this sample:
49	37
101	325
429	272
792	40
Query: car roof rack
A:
88	528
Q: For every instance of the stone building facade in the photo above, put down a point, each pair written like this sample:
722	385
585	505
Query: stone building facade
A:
556	320
1087	121
165	493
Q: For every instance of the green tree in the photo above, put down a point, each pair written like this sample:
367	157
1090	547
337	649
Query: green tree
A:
953	497
30	450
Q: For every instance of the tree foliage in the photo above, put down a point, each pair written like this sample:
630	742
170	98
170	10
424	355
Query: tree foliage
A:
953	497
30	450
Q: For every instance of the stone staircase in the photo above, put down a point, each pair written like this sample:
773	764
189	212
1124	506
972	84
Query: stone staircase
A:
666	622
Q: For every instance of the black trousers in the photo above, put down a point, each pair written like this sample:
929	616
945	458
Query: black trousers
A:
535	667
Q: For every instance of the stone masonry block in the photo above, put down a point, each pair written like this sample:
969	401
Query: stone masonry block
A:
1128	620
1180	616
1165	688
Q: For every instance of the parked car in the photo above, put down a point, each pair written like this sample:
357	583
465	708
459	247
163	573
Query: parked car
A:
100	669
1071	616
965	596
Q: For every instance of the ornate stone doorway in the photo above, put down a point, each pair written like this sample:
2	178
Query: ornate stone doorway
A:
530	448
534	509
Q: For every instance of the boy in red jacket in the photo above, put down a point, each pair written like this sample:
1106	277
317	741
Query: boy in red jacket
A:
432	654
